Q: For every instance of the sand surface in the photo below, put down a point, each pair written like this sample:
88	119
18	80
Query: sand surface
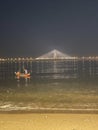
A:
48	121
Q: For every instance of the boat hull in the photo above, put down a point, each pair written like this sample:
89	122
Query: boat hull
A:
18	75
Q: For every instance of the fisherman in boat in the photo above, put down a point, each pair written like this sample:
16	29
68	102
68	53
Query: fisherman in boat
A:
25	71
25	74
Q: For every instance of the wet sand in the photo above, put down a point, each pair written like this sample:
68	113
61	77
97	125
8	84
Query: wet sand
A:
48	121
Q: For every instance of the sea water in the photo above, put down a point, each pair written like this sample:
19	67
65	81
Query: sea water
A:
53	85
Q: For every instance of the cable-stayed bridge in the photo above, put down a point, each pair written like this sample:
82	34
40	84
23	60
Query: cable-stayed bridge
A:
54	54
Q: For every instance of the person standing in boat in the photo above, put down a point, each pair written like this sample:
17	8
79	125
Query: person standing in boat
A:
25	71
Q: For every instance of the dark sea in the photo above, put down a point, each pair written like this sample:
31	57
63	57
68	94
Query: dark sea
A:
54	85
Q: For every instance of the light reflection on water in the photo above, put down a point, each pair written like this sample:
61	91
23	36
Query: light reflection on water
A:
51	69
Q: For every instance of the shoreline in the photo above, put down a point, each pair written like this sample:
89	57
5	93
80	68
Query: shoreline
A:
51	111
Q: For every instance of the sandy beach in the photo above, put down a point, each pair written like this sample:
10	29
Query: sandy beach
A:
48	121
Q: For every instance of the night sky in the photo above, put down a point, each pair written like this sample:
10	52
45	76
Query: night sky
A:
34	27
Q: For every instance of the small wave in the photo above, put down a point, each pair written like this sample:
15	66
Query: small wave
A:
12	107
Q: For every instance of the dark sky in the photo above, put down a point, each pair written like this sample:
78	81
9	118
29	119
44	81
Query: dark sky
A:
34	27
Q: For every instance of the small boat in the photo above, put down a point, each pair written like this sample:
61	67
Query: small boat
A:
23	75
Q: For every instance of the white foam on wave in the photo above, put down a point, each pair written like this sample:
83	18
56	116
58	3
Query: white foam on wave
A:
10	106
